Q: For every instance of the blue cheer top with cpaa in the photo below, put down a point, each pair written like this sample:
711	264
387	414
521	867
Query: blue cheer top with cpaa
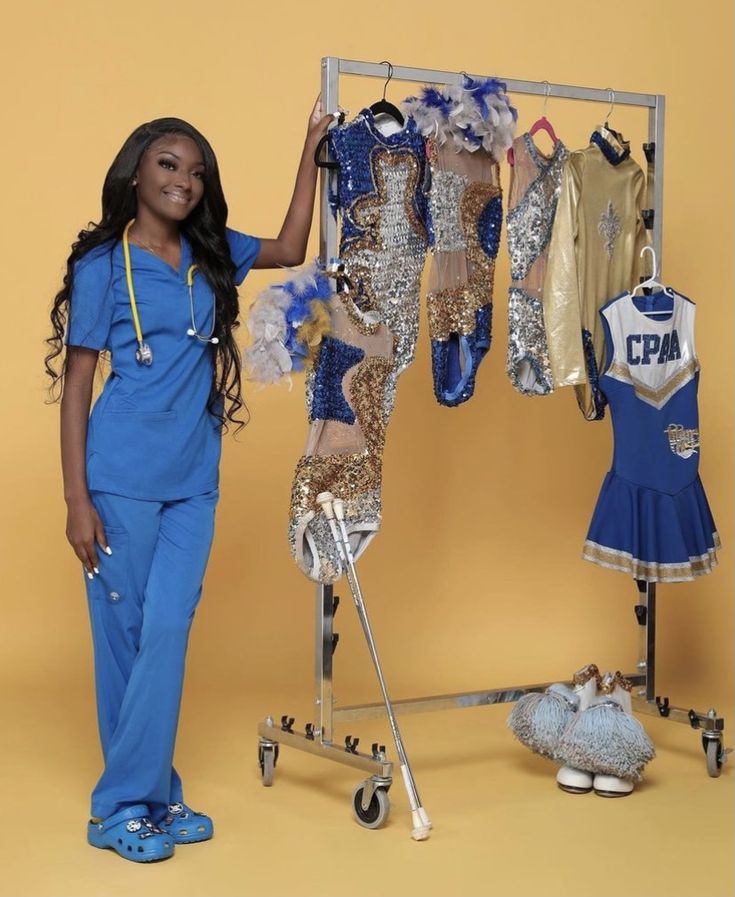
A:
151	435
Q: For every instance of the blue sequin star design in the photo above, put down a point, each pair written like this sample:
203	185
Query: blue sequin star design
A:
335	359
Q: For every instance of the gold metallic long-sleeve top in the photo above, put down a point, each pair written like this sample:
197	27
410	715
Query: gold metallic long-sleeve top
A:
594	255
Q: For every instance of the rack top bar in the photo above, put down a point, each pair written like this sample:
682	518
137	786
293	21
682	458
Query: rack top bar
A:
540	88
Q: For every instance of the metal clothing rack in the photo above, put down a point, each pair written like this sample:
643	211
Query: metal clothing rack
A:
318	738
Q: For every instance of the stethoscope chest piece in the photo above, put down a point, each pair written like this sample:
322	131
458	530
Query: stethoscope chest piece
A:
144	354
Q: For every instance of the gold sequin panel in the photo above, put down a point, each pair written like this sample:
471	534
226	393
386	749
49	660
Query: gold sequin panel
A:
348	476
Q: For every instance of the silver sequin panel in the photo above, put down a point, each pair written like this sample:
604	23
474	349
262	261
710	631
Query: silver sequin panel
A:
530	222
395	269
309	381
446	192
609	227
528	354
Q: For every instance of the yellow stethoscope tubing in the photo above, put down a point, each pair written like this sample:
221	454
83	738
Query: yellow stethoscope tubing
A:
129	278
131	289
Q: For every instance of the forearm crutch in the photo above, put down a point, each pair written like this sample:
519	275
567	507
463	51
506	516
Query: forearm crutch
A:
334	512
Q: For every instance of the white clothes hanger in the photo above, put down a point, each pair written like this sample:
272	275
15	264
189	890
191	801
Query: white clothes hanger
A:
652	282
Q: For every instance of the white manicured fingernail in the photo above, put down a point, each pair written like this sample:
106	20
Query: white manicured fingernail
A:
95	570
108	550
89	575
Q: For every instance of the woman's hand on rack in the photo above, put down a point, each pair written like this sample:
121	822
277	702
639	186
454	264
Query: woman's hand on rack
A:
318	124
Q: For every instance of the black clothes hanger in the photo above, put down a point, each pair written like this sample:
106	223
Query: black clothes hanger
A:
385	106
382	106
332	166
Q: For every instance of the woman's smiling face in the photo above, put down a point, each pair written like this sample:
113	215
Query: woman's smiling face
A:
171	177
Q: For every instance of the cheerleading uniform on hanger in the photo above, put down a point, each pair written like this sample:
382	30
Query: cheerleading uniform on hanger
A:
374	325
594	254
535	182
652	518
468	128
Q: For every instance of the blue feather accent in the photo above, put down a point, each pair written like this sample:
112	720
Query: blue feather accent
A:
482	89
475	94
435	99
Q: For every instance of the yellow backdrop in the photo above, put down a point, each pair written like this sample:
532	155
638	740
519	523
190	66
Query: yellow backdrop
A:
476	578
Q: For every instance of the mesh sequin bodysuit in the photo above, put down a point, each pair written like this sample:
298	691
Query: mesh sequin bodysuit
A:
467	127
466	218
344	450
380	195
534	192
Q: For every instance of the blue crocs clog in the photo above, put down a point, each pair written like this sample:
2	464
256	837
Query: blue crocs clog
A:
186	825
131	834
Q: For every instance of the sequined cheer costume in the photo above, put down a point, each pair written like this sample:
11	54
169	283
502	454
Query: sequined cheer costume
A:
468	127
380	196
534	192
652	518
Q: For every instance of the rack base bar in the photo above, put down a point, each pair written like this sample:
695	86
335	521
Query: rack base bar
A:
451	702
365	762
707	722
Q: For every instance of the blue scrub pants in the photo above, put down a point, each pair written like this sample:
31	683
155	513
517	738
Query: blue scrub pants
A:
141	608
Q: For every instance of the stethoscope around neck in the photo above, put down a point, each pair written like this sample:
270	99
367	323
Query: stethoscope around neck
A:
144	353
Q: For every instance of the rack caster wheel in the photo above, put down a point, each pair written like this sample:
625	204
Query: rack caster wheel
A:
267	759
377	810
715	755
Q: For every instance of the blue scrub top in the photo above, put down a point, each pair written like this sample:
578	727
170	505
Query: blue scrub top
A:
150	434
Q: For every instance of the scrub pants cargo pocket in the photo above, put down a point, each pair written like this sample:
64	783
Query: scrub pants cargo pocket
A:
112	584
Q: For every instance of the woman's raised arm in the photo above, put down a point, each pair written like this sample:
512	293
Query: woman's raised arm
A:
289	247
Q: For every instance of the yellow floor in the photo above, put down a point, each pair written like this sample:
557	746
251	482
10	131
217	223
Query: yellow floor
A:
501	826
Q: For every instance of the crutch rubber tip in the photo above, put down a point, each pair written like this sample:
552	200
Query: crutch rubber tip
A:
421	825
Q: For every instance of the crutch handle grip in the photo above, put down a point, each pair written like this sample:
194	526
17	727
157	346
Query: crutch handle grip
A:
339	508
325	499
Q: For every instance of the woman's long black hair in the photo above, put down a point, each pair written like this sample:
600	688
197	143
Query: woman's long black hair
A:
205	230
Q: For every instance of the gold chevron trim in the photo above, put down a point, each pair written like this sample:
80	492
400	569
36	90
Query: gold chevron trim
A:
621	371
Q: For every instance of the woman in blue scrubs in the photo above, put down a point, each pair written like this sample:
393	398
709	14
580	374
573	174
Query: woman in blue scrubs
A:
154	283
